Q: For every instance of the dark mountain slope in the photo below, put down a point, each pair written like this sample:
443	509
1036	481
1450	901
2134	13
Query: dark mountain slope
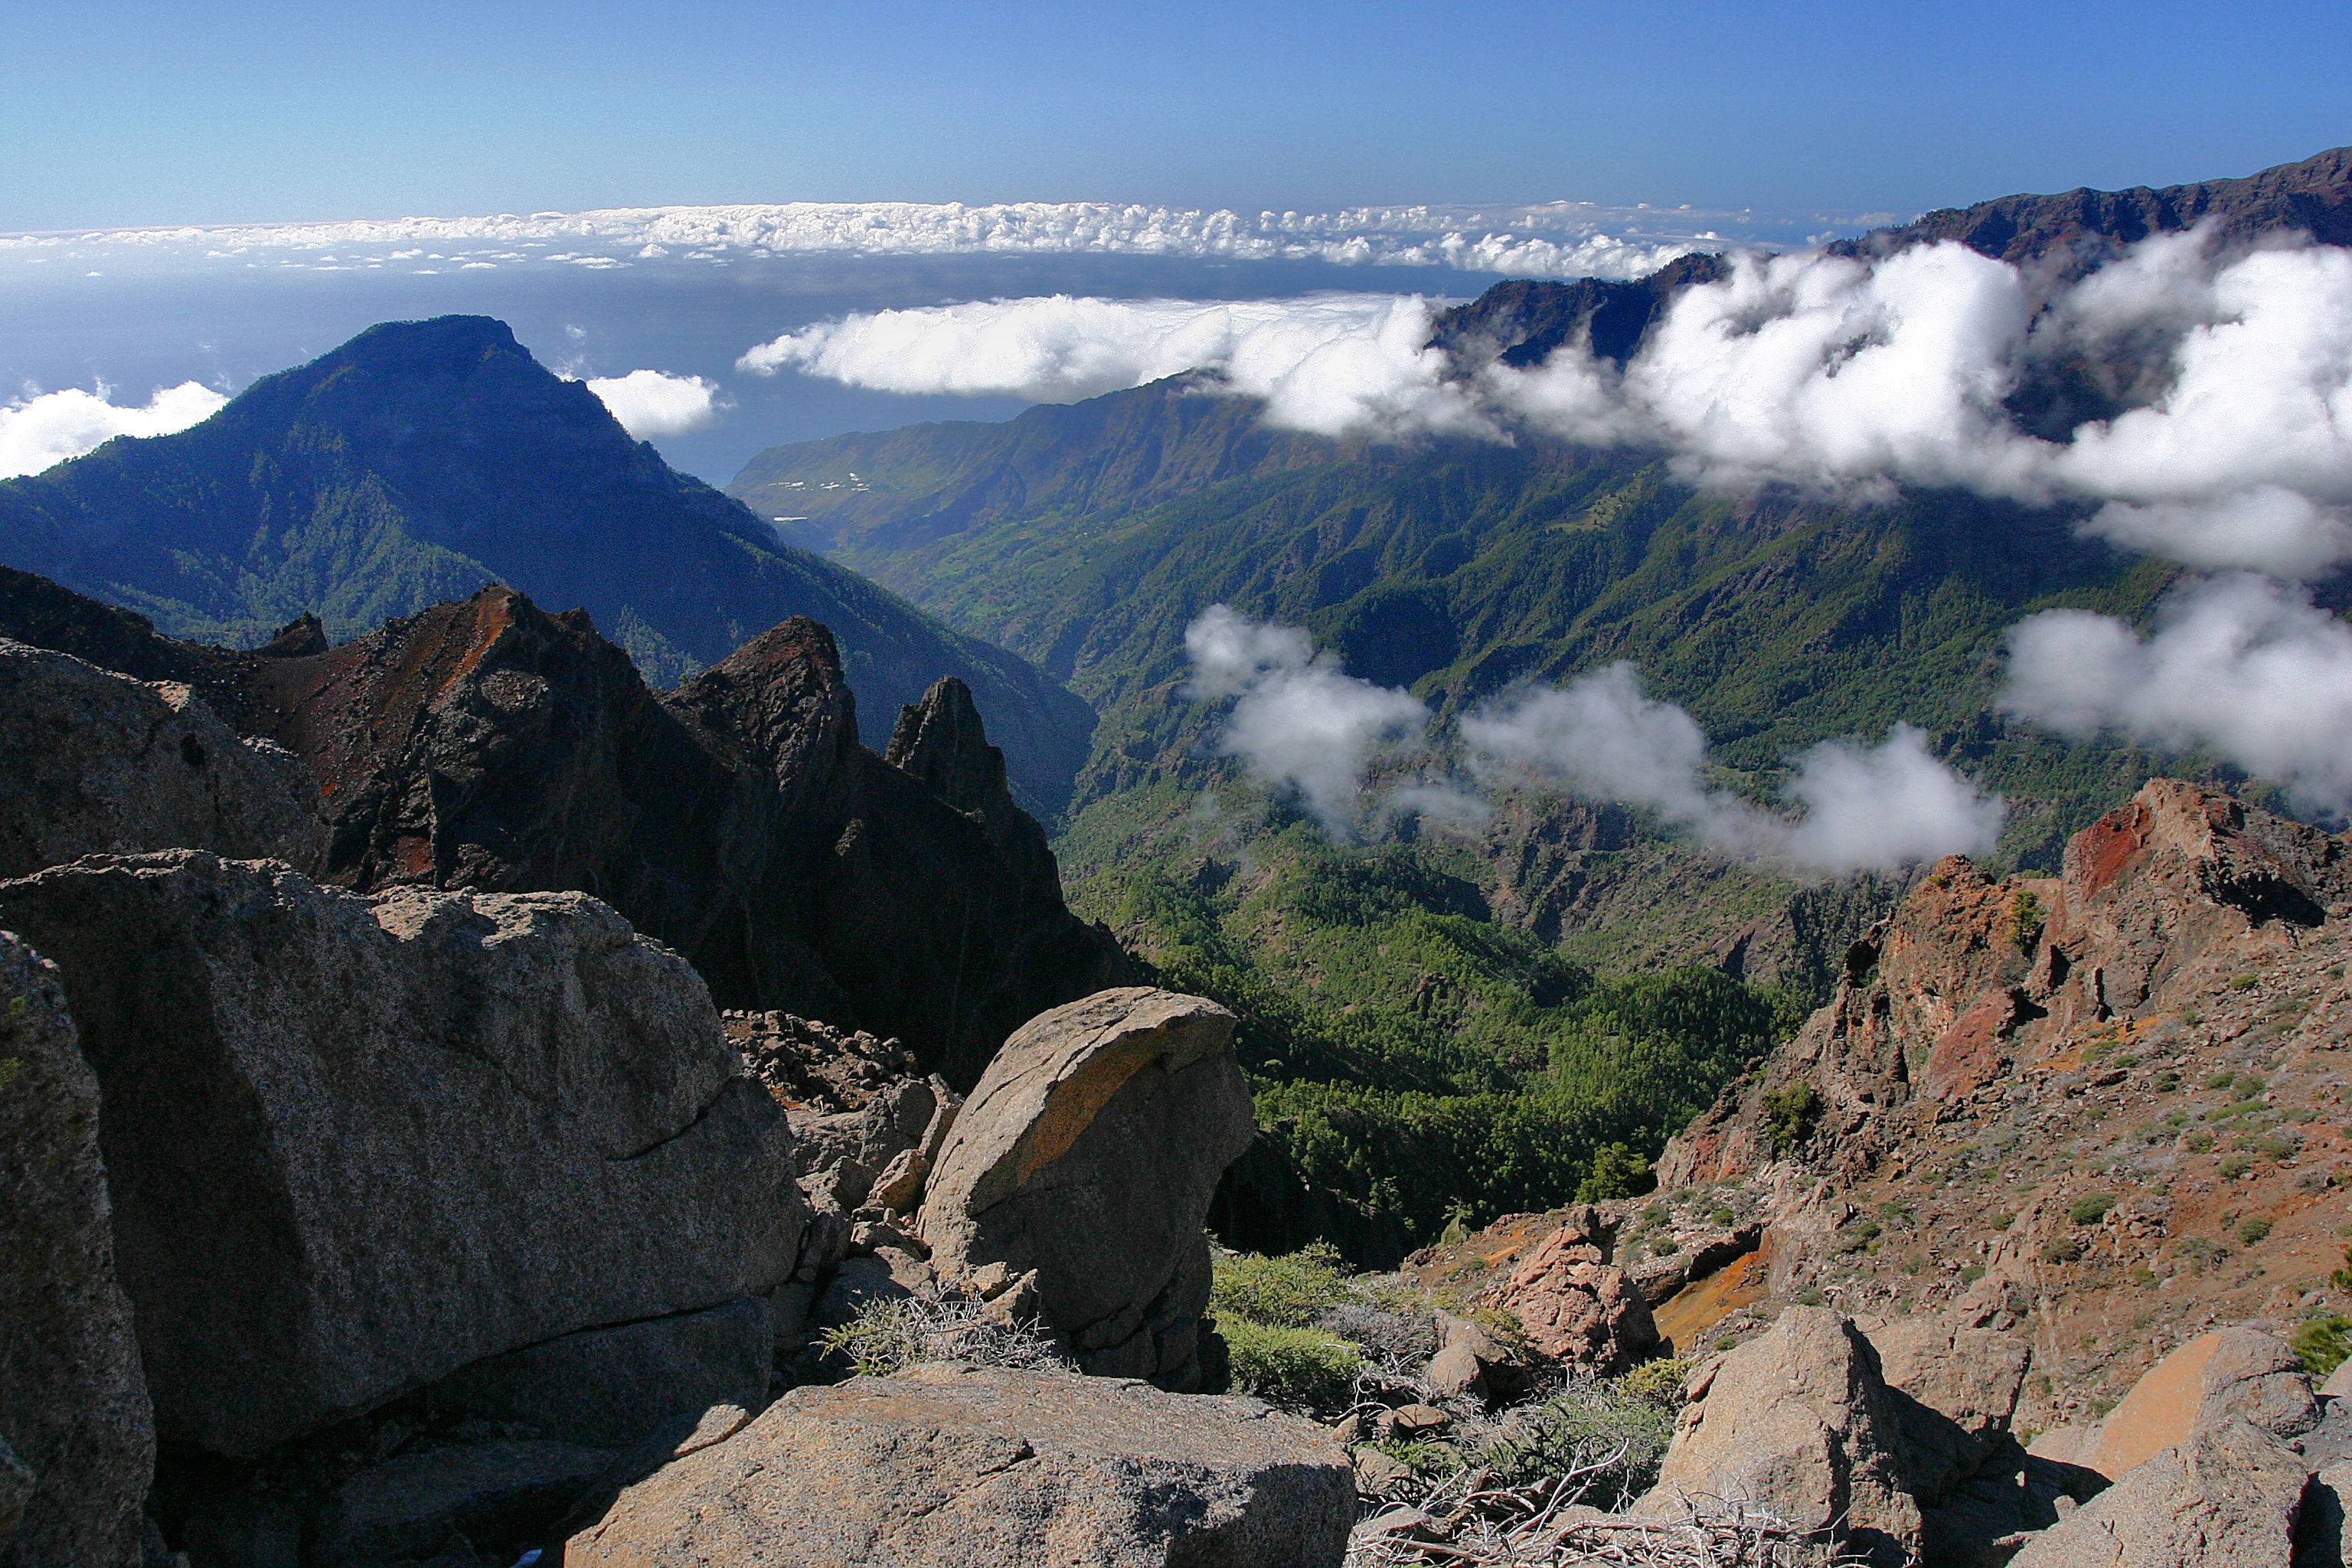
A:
423	460
486	744
2080	227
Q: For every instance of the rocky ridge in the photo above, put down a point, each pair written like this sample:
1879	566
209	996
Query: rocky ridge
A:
486	744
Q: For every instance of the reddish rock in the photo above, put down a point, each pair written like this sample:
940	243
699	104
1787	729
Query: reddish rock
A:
1573	1305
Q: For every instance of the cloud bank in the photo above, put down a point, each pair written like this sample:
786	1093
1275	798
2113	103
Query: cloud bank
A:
651	403
1331	364
41	430
1544	239
1300	723
1833	375
2245	666
1864	808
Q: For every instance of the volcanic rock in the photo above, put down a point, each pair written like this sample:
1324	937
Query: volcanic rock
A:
77	1438
354	1144
2228	1497
1089	1153
1575	1306
951	1467
96	762
1798	1421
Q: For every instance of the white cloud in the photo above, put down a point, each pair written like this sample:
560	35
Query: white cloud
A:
2249	667
1864	808
1816	369
1333	363
651	403
41	430
1881	807
1299	722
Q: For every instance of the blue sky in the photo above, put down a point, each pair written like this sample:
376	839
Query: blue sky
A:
136	113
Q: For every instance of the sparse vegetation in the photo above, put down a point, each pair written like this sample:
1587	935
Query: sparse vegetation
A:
2025	919
2324	1343
2090	1208
2251	1231
886	1337
1787	1115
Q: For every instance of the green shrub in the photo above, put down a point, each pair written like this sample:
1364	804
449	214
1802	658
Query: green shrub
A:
2253	1230
1289	1366
2091	1207
2324	1343
2342	1279
1617	1172
2065	1249
2243	981
2024	921
1788	1114
2230	1167
1282	1292
1589	1420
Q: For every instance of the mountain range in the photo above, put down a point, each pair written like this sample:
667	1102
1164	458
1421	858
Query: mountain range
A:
424	461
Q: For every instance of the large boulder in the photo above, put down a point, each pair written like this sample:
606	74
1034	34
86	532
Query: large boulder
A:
950	1466
96	762
2229	1497
1956	1387
73	1407
1798	1422
356	1143
2235	1373
1576	1307
1086	1156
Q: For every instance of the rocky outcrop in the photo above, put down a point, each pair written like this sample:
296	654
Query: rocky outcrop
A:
1575	1307
2229	1498
77	1438
950	1466
487	746
96	762
1085	1158
1799	1422
1957	1388
356	1143
2060	1101
1971	979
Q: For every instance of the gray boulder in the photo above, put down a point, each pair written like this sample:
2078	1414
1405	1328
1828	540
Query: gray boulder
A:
2234	1373
356	1144
77	1439
948	1466
2229	1497
1088	1154
96	762
1799	1422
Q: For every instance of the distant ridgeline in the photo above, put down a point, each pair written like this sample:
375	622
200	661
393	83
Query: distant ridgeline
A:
423	460
1398	997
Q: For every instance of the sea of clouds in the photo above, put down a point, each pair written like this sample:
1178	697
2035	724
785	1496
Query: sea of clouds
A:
1541	240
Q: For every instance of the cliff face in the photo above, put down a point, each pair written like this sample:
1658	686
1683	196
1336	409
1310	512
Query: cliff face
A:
2105	1107
486	744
